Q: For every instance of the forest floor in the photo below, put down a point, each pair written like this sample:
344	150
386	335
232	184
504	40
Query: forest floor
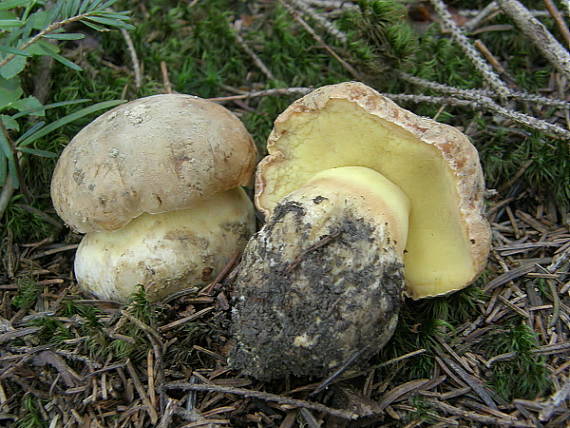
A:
494	354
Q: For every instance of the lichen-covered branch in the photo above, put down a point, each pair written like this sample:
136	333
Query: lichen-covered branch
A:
552	50
480	64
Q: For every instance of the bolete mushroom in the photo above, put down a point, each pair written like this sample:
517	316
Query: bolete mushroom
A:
364	202
155	185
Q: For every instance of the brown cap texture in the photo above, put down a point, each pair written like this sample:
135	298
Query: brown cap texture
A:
151	155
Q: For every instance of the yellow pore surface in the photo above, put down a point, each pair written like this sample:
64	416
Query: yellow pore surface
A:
437	257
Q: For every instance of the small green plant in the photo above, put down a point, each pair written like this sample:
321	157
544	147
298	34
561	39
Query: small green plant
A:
524	376
30	29
32	417
28	292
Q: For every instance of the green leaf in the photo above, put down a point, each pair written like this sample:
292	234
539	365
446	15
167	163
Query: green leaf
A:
3	170
49	106
14	51
95	4
68	119
63	60
31	104
5	146
10	92
48	49
9	4
10	23
10	123
13	171
123	16
43	46
93	26
37	152
110	22
39	19
14	67
65	36
108	4
30	131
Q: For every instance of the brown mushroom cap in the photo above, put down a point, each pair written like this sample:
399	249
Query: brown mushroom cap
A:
435	165
151	155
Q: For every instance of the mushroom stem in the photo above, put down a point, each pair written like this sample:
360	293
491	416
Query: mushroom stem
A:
166	252
323	278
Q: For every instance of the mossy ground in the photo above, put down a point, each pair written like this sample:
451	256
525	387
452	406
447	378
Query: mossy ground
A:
197	43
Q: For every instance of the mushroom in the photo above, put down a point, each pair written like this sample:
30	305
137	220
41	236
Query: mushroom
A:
155	185
365	202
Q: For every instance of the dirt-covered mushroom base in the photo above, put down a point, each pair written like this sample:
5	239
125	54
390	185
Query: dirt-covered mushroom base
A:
317	286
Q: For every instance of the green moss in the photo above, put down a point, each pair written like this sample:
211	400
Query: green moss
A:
524	376
548	172
28	293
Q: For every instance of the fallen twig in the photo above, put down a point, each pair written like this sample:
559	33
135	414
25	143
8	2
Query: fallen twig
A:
457	33
264	93
266	396
553	51
134	57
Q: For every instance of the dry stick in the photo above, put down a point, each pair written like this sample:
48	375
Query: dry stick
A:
142	393
474	22
485	102
266	396
480	94
264	93
336	374
566	4
555	402
54	251
165	78
323	22
336	4
477	417
184	320
559	19
319	40
134	57
457	33
256	60
538	34
489	57
155	341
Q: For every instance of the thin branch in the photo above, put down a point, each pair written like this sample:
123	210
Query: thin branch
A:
336	4
265	396
134	57
480	98
50	29
554	402
7	192
165	78
318	39
559	19
482	15
457	33
538	34
256	60
323	22
264	93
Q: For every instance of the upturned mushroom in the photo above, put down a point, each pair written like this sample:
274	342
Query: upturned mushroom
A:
364	202
155	185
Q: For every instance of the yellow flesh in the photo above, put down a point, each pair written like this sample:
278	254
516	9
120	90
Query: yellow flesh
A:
437	258
375	196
